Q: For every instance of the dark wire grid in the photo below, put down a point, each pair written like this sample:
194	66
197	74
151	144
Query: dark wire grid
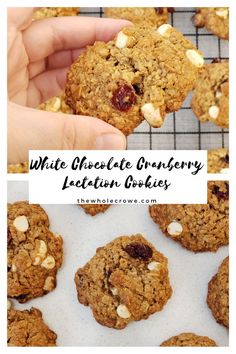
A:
174	132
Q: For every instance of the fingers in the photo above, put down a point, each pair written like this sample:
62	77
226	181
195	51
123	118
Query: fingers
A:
46	85
19	17
63	58
48	36
29	129
57	60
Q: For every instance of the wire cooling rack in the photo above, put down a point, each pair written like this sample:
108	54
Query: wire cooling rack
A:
181	130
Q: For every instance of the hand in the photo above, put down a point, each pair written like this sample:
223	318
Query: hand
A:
39	55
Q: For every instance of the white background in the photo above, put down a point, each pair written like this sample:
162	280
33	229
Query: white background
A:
74	324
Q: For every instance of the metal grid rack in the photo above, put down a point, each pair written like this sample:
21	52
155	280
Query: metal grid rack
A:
181	130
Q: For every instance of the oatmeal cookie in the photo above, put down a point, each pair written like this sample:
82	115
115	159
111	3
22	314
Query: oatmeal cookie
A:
218	161
215	19
210	100
127	280
189	340
142	74
45	12
34	252
144	16
198	227
27	329
218	294
94	209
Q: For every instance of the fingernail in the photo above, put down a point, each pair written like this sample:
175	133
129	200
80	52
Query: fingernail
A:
110	142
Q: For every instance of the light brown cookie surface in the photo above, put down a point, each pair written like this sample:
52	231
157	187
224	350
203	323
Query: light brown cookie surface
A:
215	19
210	100
94	209
198	227
189	340
145	16
142	74
34	252
45	12
127	280
218	294
218	161
27	329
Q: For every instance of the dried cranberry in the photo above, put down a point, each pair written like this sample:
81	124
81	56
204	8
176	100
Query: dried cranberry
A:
216	60
220	194
123	98
159	10
137	89
9	237
139	250
21	298
227	158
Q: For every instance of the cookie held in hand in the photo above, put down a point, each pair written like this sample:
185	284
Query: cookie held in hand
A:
144	73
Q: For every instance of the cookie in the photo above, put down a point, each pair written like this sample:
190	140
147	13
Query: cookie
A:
127	280
144	16
142	74
215	19
45	12
94	209
27	329
22	167
218	161
56	104
34	252
210	100
197	227
218	294
189	340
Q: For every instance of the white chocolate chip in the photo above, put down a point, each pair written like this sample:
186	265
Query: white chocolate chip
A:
174	228
56	104
222	13
152	115
21	223
48	263
114	291
218	94
163	29
9	304
121	40
154	265
123	311
37	260
224	170
214	112
195	58
41	248
13	268
49	284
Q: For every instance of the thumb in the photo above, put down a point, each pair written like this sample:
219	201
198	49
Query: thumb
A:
31	129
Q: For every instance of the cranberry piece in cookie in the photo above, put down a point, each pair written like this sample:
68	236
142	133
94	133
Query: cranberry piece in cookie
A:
123	98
